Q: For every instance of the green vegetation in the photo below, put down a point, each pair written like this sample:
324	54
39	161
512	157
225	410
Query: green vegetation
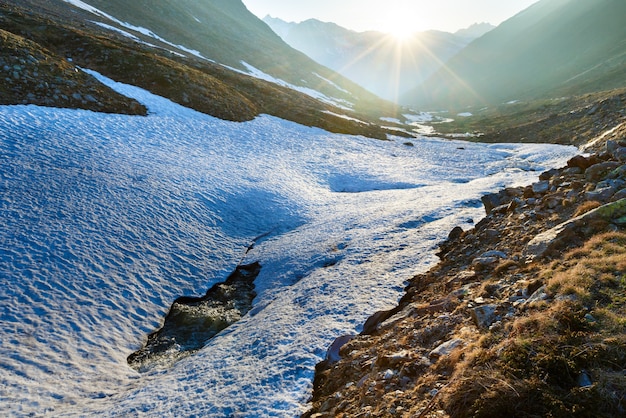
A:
565	120
555	48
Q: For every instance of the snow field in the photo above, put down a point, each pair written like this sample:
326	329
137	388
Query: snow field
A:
108	218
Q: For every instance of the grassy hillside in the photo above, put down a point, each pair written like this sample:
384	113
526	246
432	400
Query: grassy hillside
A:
226	32
556	47
62	33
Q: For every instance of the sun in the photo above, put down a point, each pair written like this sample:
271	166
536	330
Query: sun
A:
401	33
401	25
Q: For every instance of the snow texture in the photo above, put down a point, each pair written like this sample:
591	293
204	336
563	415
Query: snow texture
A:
108	218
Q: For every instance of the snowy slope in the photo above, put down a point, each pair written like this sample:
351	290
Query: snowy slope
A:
108	218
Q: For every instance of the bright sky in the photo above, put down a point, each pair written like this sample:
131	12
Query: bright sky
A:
392	15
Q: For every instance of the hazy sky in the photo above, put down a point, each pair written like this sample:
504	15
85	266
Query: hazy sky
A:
390	15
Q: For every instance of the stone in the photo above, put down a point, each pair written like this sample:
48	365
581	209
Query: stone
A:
483	263
580	162
598	171
611	146
332	355
491	201
394	359
485	315
618	173
540	244
601	195
620	154
584	381
541	187
497	254
491	234
538	296
547	175
572	171
619	195
552	202
388	374
455	234
446	348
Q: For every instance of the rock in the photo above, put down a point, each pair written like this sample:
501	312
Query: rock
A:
584	381
580	162
611	146
620	154
615	149
485	315
618	173
491	234
491	201
539	245
619	195
538	296
533	286
455	234
541	187
332	355
598	171
547	175
388	374
446	348
601	195
372	323
552	202
484	263
498	254
572	171
393	360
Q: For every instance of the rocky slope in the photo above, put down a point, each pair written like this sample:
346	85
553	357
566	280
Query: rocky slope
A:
524	316
567	120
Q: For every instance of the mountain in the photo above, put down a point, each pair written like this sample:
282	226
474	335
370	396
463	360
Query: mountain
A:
474	31
375	60
554	48
213	56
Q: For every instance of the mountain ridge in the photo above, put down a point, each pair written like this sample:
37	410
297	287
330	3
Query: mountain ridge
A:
136	55
375	60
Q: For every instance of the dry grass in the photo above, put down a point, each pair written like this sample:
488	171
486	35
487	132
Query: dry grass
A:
534	365
586	207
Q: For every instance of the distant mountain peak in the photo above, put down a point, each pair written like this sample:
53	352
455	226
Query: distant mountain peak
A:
475	30
371	58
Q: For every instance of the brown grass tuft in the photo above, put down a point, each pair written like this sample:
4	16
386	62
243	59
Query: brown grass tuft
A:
586	207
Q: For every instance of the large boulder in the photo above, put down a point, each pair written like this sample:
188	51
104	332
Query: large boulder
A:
542	243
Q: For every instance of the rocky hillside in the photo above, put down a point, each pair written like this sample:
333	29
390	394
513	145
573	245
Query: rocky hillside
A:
565	120
46	43
524	316
554	48
375	60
